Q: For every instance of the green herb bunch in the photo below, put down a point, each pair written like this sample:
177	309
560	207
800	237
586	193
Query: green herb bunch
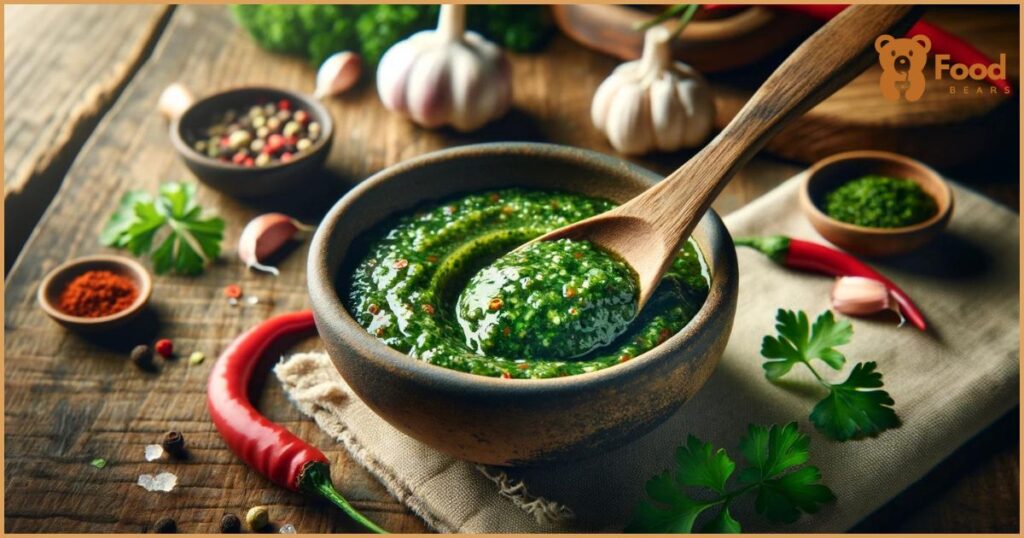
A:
187	241
854	408
784	488
880	202
317	31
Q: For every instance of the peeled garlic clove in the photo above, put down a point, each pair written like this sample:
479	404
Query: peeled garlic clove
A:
174	101
264	235
338	73
859	296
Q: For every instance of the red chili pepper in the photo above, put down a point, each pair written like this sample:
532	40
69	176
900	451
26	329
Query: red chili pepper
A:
943	42
821	259
269	448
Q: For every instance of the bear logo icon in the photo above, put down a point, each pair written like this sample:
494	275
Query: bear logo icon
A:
902	62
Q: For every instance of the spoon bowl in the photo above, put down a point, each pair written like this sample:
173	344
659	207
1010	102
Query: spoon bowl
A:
647	231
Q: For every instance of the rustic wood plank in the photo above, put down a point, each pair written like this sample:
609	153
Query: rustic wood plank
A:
58	83
70	398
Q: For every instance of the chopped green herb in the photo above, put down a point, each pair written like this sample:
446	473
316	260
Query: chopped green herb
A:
852	409
784	488
190	241
98	463
880	202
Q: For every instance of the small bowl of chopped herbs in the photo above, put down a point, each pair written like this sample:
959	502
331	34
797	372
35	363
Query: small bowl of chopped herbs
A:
253	142
876	203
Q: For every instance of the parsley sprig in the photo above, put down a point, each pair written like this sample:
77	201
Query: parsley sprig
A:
854	408
190	241
784	487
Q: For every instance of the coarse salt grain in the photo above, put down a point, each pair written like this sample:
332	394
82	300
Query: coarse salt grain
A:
154	452
160	482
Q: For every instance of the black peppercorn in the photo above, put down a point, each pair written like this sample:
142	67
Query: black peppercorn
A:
230	524
142	356
174	443
165	525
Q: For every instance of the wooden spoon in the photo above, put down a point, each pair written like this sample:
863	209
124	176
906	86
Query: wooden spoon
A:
648	230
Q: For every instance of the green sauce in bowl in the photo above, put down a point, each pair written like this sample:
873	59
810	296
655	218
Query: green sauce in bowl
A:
878	201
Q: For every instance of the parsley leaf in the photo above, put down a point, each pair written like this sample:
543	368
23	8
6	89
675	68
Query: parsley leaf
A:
851	411
783	489
190	242
799	342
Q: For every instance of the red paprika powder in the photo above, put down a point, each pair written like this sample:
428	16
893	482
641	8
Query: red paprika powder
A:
95	294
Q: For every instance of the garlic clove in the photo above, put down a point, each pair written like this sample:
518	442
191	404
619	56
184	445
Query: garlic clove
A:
337	74
668	116
264	235
695	97
860	296
629	130
174	101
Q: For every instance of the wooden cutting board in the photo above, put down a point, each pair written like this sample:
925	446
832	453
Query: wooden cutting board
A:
942	128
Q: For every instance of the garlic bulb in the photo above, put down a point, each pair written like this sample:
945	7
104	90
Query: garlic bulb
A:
654	102
447	76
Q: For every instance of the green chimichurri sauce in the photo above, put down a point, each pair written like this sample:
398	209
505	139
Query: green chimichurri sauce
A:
406	289
559	299
880	202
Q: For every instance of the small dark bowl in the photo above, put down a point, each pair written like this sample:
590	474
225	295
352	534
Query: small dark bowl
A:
252	182
56	280
830	173
513	421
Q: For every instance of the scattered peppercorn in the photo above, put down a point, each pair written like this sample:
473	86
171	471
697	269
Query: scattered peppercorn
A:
267	134
142	356
257	518
232	291
95	294
197	357
165	525
164	347
230	524
174	443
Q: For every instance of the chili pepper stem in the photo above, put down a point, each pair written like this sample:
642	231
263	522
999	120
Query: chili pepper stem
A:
316	479
773	246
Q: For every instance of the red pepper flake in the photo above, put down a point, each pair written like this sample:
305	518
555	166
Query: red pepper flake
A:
495	198
373	309
164	347
523	366
379	332
429	309
624	357
663	334
506	331
401	263
577	255
450	209
554	204
495	304
505	375
570	292
232	291
432	258
573	311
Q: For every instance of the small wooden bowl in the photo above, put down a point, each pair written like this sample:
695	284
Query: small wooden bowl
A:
56	280
251	182
828	174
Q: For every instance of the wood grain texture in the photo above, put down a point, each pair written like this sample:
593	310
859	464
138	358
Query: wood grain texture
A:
63	68
70	398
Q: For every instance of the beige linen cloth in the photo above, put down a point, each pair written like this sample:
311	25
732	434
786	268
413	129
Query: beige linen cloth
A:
947	386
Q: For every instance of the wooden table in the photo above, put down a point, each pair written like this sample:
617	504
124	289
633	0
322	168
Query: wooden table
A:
70	398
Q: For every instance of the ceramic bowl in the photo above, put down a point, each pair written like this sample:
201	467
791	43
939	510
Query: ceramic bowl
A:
251	182
828	174
513	421
56	280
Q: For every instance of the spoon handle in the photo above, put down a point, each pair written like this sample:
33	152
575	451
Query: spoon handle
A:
826	61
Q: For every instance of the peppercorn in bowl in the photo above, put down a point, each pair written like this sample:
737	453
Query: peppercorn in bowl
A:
95	293
254	142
